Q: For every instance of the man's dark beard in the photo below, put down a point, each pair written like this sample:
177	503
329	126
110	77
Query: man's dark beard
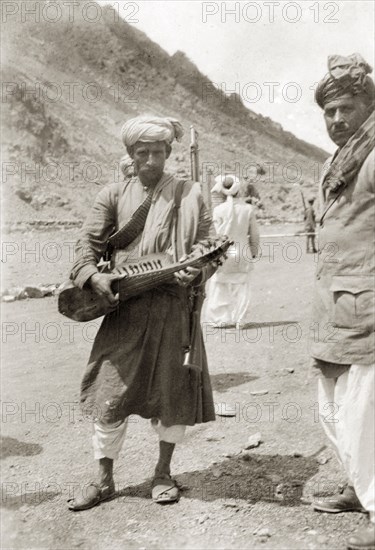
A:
150	178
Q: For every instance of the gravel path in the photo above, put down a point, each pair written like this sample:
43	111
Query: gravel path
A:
230	499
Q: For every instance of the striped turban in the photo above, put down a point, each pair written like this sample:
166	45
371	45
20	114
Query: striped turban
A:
151	128
346	75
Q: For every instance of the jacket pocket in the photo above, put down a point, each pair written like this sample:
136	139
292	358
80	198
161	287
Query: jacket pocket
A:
354	302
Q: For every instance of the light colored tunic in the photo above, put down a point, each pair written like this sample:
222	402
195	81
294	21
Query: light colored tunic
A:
229	290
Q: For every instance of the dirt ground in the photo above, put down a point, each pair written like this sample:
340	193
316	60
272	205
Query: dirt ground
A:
229	499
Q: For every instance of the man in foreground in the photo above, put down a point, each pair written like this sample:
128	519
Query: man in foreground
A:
343	344
136	364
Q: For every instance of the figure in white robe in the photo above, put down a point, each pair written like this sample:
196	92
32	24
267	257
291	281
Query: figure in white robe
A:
229	290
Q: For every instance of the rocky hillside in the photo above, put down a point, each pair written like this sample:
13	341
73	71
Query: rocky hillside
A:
69	86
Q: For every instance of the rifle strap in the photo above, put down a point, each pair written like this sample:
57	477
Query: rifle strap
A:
129	232
177	203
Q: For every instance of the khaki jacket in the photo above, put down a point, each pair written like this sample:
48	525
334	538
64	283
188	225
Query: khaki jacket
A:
344	305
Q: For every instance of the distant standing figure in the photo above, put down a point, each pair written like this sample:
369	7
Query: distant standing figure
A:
229	291
310	224
251	194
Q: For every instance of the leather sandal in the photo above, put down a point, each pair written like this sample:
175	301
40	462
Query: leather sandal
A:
347	501
165	489
94	494
363	539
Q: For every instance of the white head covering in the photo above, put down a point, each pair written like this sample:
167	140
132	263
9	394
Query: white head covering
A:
232	184
126	165
151	128
228	184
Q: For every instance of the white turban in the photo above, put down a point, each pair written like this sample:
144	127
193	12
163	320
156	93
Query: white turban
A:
150	128
222	182
126	163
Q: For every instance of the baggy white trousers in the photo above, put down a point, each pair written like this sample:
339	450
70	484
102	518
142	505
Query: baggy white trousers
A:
347	413
108	439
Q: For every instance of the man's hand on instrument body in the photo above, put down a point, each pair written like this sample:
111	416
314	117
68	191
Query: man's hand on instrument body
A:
101	284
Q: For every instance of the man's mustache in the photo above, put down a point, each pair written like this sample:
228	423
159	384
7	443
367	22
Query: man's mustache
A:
150	170
341	127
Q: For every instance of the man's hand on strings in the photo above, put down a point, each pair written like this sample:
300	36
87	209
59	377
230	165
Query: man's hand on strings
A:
186	276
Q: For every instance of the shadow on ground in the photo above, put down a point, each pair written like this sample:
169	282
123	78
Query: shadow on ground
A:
267	478
12	447
16	495
222	382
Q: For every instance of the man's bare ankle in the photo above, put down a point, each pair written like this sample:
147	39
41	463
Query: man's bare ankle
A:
161	471
106	472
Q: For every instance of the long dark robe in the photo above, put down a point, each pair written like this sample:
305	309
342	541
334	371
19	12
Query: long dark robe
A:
136	364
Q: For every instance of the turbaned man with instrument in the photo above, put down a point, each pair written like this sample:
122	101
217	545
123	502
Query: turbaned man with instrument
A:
136	363
343	342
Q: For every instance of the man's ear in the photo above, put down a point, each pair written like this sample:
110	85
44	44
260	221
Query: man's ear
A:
130	150
168	150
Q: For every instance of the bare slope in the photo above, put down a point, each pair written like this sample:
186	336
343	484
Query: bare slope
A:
70	86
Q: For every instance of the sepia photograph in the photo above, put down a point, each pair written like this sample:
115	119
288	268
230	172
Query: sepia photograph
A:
187	275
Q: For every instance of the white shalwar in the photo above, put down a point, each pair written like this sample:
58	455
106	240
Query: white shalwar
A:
229	289
108	439
350	425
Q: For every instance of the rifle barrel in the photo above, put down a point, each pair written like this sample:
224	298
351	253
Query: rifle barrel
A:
194	154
